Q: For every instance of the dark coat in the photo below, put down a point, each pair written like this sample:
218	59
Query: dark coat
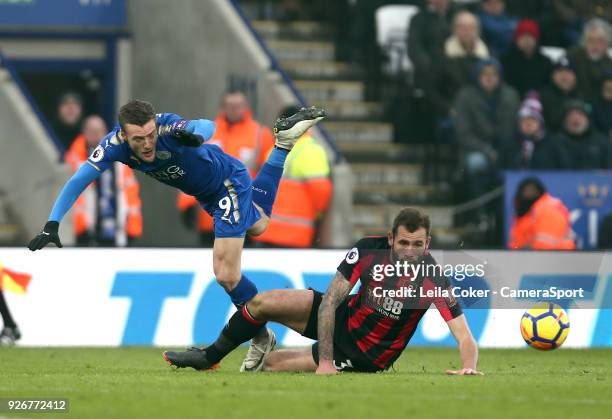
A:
588	151
526	73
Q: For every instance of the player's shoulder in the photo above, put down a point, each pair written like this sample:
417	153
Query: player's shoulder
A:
366	246
111	148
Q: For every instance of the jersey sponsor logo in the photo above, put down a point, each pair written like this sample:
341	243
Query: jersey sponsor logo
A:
169	173
163	155
352	256
97	154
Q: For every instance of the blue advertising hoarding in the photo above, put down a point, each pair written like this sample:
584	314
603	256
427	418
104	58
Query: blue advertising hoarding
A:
585	194
63	13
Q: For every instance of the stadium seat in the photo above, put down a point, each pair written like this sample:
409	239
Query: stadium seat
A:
392	23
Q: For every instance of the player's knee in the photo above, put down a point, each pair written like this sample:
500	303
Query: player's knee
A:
260	306
259	227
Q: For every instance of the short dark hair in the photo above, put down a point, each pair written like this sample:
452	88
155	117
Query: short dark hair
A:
135	112
412	219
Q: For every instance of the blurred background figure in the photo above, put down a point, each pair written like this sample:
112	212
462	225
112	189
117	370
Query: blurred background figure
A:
534	147
587	147
590	58
525	67
304	195
108	212
602	106
541	221
497	26
485	121
560	89
10	332
67	122
240	136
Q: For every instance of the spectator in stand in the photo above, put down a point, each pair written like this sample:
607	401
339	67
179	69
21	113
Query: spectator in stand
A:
602	106
304	195
571	16
497	26
534	148
560	89
429	29
524	66
541	221
591	58
484	121
240	136
67	121
463	49
108	212
587	147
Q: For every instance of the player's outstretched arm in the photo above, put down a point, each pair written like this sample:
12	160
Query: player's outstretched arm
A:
337	291
73	188
468	348
193	133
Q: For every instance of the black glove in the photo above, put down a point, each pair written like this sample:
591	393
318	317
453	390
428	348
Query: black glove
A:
46	236
188	139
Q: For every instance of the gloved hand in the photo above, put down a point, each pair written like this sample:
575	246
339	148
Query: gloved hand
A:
184	132
46	236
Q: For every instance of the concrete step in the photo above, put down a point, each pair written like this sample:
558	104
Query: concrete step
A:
315	91
321	70
360	132
302	50
371	152
383	216
271	29
384	194
345	110
387	174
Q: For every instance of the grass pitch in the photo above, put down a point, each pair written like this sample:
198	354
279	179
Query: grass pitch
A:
137	383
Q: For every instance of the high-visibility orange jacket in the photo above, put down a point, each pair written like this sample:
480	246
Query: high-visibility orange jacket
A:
546	226
303	195
129	214
248	141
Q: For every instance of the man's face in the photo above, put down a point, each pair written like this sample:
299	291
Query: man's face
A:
596	44
94	130
466	29
529	126
407	246
606	90
70	111
438	5
576	122
494	7
564	79
234	107
489	78
526	43
142	140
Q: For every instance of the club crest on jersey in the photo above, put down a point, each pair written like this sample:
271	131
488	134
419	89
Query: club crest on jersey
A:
97	154
163	155
352	256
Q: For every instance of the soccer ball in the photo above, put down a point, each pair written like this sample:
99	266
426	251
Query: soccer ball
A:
545	326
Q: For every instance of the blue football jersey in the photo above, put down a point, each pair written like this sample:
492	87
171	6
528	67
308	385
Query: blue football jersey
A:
198	171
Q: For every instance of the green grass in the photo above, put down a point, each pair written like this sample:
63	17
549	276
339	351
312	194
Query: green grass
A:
135	382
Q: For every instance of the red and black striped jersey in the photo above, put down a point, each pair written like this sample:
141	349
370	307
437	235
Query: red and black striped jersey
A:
384	314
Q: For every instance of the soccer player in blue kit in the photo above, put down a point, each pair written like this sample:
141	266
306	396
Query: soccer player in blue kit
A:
173	150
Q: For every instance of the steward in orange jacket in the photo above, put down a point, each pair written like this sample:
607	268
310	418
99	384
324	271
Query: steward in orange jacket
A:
542	222
240	136
304	194
96	223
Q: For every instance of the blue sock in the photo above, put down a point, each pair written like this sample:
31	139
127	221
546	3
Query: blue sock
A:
243	292
266	183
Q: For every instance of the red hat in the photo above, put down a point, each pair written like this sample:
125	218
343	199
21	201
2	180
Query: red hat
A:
527	26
